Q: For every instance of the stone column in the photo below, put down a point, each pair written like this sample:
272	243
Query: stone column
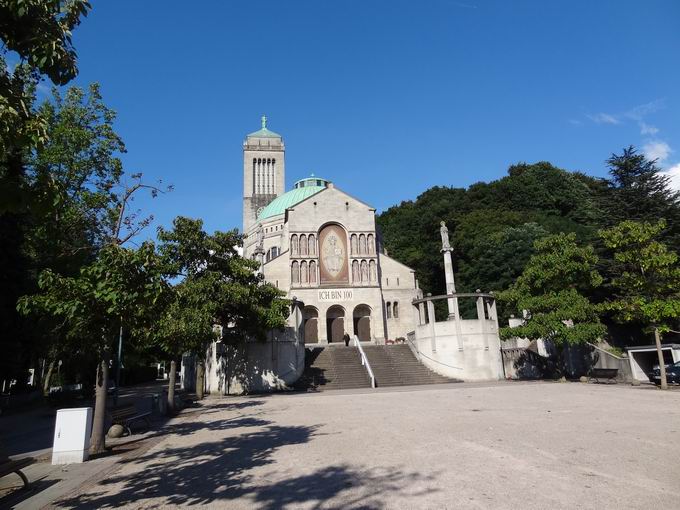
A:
421	313
481	317
448	272
431	325
493	314
480	307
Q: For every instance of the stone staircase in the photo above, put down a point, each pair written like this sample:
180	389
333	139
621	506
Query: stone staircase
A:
396	365
332	368
339	367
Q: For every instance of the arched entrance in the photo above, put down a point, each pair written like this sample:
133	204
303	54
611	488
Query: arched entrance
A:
362	322
310	317
335	323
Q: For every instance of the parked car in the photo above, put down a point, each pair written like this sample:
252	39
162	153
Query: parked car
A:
672	374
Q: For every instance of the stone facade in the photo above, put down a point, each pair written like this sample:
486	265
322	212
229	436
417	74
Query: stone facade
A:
264	172
321	246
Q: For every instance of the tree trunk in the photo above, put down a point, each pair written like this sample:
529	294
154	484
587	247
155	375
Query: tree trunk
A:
171	388
200	379
48	377
662	364
98	441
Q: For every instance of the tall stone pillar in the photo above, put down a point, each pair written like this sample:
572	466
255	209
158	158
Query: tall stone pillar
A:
431	324
481	317
448	272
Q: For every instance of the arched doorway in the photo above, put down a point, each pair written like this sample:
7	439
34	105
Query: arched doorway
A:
335	323
310	317
362	322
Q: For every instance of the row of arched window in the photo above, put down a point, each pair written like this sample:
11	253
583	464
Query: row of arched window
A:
264	176
392	309
303	273
362	244
303	245
364	272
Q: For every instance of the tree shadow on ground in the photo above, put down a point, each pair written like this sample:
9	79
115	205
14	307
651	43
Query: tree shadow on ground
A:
219	472
234	406
354	488
20	494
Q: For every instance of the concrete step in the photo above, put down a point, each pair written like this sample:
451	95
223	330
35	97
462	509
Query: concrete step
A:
337	367
395	365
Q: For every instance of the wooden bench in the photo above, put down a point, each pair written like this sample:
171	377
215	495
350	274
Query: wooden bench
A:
127	415
608	374
9	466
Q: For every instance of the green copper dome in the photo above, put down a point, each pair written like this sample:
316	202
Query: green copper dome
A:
264	132
302	190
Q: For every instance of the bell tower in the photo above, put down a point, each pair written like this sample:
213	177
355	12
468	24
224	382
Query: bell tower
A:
264	174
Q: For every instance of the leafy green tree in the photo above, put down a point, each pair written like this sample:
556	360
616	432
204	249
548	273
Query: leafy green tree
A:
74	178
219	287
185	326
78	173
639	191
551	288
122	287
498	259
39	32
646	287
551	198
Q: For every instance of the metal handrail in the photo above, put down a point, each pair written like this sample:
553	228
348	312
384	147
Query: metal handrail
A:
414	346
364	360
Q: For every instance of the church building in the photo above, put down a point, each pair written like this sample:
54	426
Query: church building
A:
321	246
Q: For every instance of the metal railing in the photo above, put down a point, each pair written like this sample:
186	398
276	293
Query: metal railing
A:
364	360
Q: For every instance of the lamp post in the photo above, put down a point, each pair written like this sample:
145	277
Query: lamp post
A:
120	357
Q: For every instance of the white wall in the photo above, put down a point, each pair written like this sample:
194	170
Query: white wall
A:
398	284
254	366
471	353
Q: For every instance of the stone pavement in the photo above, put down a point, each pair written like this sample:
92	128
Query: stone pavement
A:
507	445
24	433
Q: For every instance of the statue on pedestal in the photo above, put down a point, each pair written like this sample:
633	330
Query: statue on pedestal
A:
445	237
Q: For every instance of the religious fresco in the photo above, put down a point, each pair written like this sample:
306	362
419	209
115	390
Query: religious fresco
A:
333	265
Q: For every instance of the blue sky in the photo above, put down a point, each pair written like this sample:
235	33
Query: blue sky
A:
385	98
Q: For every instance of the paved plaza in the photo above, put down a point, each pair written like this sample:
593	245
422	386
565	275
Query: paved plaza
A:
523	445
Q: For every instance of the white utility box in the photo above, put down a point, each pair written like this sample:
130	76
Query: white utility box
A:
72	435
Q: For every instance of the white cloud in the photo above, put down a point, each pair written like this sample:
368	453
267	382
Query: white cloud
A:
655	149
648	129
575	122
604	118
674	174
637	113
640	111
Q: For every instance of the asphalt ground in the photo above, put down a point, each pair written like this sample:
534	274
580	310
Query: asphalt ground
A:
506	445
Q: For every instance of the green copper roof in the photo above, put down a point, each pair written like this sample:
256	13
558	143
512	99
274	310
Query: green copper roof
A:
279	205
264	132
